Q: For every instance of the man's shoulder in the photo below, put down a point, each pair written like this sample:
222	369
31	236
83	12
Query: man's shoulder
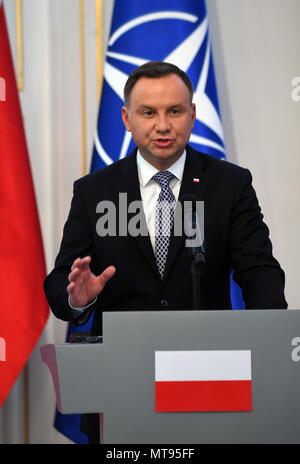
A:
213	165
107	174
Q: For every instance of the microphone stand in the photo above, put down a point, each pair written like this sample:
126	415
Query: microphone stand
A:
196	246
198	263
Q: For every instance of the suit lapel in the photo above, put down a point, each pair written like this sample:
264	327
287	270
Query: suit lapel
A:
130	183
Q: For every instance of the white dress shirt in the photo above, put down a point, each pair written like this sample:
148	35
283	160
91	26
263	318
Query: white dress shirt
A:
150	189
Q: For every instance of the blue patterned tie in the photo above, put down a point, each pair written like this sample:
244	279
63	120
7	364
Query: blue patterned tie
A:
164	218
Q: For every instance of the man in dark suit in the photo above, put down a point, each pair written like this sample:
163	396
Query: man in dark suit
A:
118	271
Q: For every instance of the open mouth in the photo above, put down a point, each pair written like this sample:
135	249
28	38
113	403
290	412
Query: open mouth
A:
163	142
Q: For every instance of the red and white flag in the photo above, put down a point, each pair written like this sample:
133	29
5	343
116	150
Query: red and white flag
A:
23	307
203	381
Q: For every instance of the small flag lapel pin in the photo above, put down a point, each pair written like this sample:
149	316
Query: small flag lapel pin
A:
195	179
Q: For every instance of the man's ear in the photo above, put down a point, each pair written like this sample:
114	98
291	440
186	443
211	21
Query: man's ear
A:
193	112
125	118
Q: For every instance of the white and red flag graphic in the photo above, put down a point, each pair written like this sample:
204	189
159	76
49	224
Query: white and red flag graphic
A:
203	381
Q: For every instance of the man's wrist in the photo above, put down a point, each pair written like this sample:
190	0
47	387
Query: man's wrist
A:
81	309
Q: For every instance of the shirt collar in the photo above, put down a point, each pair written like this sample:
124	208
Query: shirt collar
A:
146	171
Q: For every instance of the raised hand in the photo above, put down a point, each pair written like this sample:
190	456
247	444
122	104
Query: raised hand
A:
84	285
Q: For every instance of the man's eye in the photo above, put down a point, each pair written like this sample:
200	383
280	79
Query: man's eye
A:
148	113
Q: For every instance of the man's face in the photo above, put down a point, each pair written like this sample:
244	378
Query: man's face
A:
160	118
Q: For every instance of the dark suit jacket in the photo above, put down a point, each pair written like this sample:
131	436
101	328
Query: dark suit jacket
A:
235	238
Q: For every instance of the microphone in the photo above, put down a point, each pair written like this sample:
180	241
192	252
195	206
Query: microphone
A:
193	218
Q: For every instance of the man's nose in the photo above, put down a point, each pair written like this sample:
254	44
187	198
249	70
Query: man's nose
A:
162	123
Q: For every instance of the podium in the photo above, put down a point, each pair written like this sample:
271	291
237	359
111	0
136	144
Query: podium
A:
117	377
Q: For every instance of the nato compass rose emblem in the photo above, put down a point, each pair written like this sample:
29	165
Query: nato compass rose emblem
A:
172	36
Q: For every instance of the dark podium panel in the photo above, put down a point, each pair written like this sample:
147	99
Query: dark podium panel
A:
117	377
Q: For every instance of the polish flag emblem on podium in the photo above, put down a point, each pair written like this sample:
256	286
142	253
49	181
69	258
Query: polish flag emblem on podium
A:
203	381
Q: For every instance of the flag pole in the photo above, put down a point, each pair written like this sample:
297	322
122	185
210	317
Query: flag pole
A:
83	87
20	44
99	47
19	23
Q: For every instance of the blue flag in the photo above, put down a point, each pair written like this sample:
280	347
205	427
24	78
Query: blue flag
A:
175	31
172	31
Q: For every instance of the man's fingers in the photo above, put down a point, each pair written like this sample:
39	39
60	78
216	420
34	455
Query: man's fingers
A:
107	274
70	287
86	260
84	285
76	264
73	276
77	272
81	262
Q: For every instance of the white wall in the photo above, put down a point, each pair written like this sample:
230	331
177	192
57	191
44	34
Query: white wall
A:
256	46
